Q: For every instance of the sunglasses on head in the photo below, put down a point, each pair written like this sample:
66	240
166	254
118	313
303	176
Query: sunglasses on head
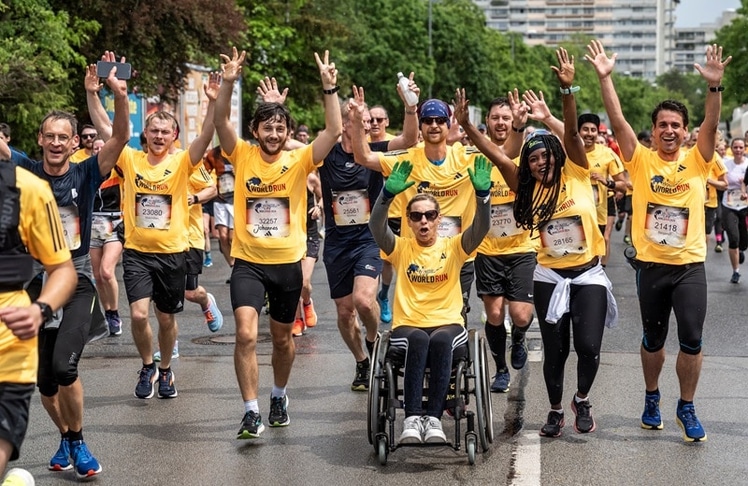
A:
538	132
440	120
88	135
416	216
378	120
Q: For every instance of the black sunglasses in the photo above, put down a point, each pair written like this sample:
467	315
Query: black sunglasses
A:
440	120
416	216
378	120
88	135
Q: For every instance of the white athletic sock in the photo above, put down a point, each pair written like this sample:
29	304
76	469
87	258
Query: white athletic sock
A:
251	406
278	391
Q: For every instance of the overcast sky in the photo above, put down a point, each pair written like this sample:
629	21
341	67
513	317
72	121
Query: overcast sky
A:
692	13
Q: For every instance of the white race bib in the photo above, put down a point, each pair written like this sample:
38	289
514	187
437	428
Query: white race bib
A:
101	227
226	183
268	217
449	226
666	225
71	226
731	199
351	207
503	223
153	211
563	236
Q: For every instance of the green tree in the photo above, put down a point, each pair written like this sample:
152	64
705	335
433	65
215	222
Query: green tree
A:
38	53
732	38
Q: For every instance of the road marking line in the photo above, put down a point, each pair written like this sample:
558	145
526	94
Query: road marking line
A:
524	468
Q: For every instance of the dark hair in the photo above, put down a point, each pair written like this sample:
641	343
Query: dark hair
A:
500	101
588	118
60	115
737	139
671	105
643	135
83	127
270	111
5	129
532	210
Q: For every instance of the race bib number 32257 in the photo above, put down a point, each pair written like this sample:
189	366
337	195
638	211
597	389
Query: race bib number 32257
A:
268	217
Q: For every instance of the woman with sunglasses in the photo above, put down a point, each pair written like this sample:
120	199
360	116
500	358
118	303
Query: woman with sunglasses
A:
572	293
427	320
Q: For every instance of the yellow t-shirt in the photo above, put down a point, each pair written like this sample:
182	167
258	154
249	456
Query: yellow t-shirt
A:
154	200
604	162
428	292
715	172
79	156
270	204
504	237
571	238
199	180
41	231
448	182
668	204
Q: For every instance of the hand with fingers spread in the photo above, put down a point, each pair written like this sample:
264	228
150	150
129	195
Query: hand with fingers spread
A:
268	90
92	82
539	110
231	68
327	71
519	109
212	86
460	102
596	56
565	69
480	176
357	105
398	181
714	68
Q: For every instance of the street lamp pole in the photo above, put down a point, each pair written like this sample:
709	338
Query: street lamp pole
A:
431	52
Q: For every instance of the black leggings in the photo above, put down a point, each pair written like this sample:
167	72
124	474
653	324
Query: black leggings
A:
587	308
734	224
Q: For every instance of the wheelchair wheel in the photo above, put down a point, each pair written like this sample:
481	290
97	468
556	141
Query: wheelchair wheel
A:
382	450
478	388
487	408
470	446
376	379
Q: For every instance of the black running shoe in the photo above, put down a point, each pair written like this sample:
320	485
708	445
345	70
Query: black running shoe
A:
519	355
584	422
553	425
251	426
278	416
361	379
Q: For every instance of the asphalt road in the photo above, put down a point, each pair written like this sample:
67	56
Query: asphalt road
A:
190	440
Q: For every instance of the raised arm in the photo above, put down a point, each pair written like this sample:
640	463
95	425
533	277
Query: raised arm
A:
396	183
121	125
513	144
202	142
712	73
409	137
603	65
362	153
573	142
480	176
494	153
328	137
231	69
96	110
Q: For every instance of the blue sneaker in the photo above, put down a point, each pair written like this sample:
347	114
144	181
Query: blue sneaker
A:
208	262
86	465
651	418
685	416
501	381
115	325
174	353
385	313
166	387
148	376
278	416
61	460
213	316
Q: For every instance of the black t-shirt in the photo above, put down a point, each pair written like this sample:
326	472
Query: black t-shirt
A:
343	182
74	193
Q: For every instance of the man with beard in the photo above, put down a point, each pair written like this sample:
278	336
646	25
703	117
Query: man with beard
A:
88	135
269	243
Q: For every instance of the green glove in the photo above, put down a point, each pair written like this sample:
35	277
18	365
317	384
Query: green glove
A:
397	182
481	176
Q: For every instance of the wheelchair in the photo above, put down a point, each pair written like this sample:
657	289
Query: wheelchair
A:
469	380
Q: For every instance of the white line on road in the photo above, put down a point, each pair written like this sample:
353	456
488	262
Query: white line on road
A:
525	466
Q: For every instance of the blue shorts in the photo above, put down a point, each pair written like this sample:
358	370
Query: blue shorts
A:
347	262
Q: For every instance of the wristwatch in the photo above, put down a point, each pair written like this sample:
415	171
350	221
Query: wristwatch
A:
47	312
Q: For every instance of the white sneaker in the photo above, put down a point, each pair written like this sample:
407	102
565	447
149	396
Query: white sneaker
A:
433	432
412	430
